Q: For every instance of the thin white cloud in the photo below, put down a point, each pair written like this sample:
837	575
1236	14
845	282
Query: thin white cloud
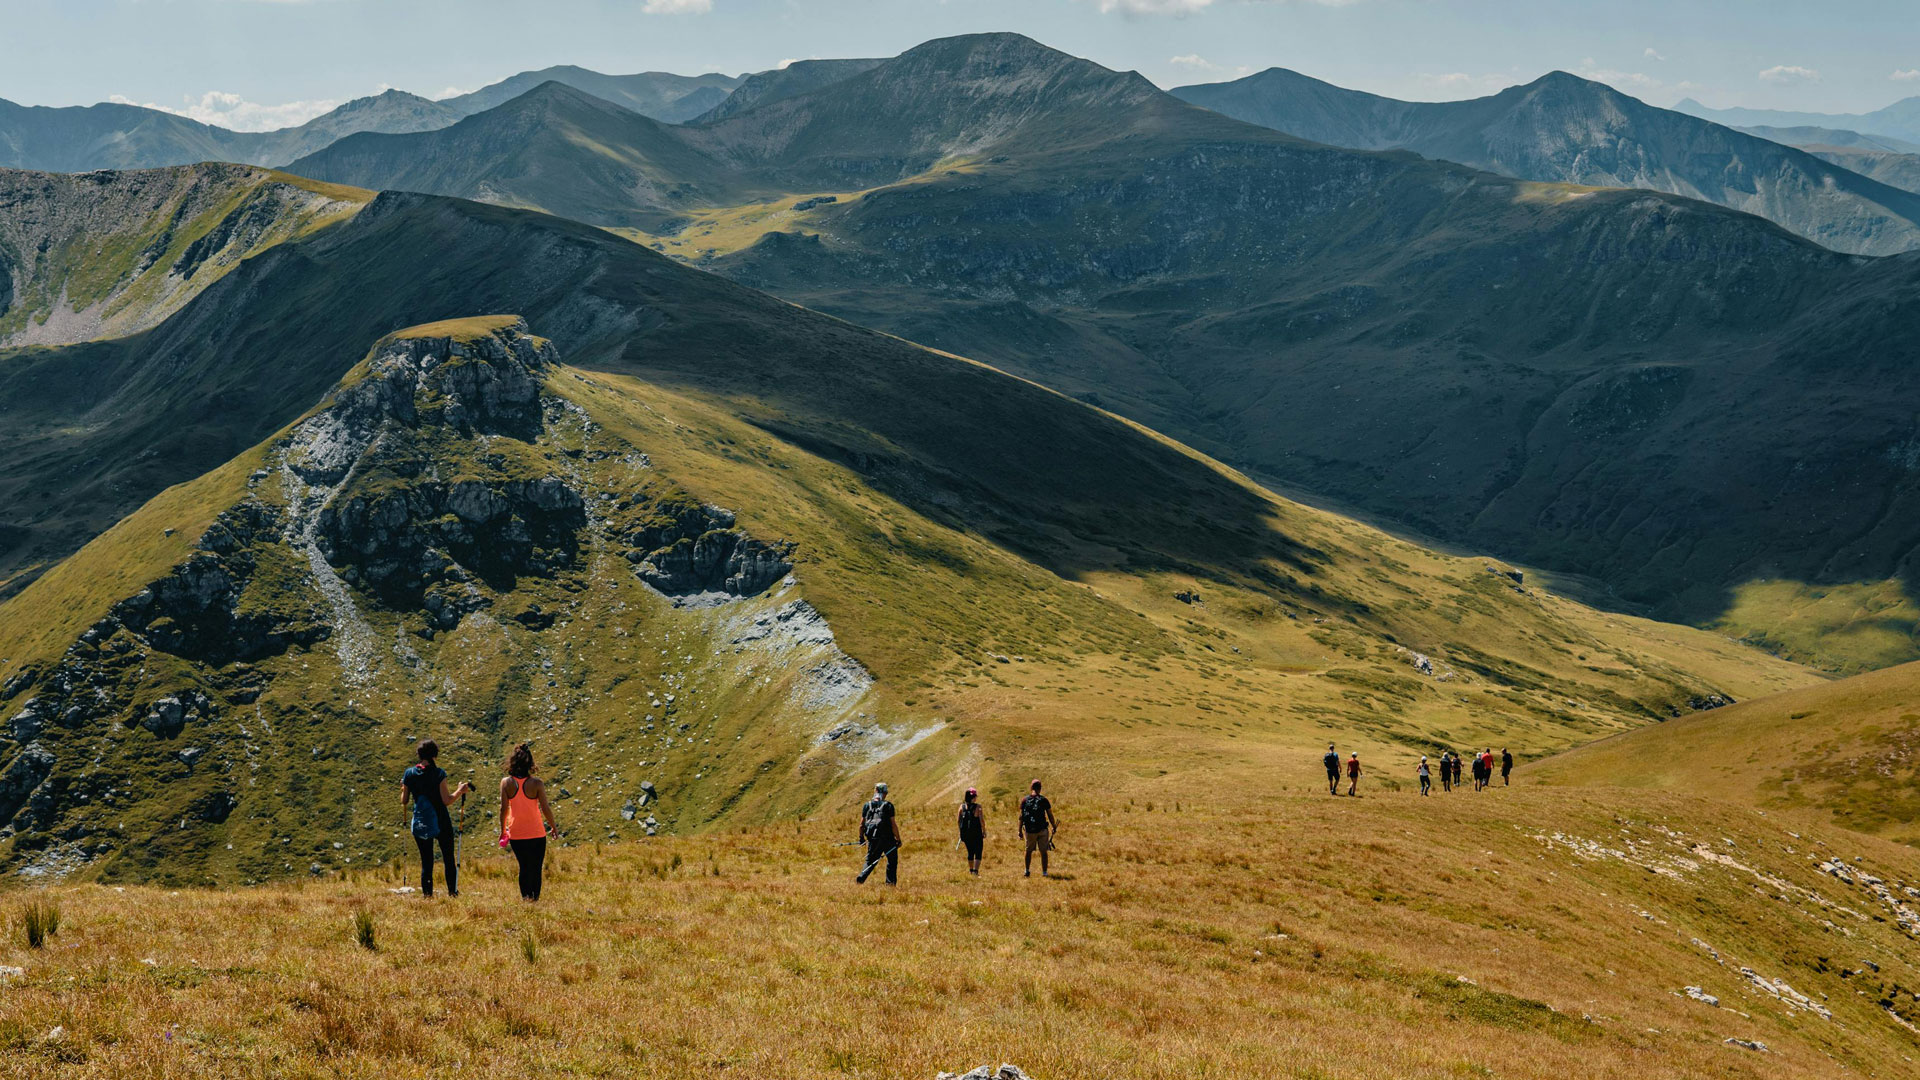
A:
1654	54
677	7
1193	60
1789	73
450	92
1191	7
1908	75
228	110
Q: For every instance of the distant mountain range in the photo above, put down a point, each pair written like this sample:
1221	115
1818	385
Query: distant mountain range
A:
1900	120
112	136
1891	161
1567	129
1568	374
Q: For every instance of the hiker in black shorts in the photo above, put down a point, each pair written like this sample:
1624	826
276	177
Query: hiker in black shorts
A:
881	831
1446	770
1037	826
1332	761
1506	766
1456	770
1426	776
973	829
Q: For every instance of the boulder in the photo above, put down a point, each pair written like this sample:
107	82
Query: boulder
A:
988	1072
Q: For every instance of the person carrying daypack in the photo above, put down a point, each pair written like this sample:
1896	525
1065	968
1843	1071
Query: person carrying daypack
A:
973	829
1353	772
425	785
1506	766
1457	766
880	829
1426	777
1486	768
1446	770
1332	762
1037	825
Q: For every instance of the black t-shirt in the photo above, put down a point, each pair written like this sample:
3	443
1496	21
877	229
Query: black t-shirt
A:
1506	761
1033	813
972	821
1332	761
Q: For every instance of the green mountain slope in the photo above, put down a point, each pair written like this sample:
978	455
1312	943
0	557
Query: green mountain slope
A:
1842	751
106	255
1563	128
554	148
469	538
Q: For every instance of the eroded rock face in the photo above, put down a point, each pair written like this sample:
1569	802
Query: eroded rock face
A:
685	548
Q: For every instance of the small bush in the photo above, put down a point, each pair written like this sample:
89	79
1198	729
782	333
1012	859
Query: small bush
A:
529	948
363	930
41	920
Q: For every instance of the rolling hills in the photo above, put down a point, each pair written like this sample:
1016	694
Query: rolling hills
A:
657	95
114	136
766	87
1664	397
1900	120
1565	129
481	535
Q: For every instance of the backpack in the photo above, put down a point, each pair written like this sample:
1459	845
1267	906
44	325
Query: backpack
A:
970	823
873	820
426	805
1033	813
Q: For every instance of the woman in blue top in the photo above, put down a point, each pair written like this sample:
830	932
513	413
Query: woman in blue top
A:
425	784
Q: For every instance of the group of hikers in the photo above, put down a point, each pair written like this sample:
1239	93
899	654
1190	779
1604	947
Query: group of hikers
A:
1450	764
880	832
526	817
526	820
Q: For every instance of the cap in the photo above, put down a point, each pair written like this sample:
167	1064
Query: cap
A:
881	787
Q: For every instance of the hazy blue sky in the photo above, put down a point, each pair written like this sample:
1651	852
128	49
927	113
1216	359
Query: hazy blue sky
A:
259	63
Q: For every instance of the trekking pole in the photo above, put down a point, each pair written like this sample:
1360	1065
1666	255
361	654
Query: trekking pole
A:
868	869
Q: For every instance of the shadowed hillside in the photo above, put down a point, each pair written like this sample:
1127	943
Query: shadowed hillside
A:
1563	128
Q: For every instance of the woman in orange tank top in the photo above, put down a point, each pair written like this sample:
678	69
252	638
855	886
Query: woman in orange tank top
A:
525	819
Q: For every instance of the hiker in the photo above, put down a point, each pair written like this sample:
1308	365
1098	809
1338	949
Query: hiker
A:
1486	768
1479	772
1506	766
1426	777
1456	770
526	817
1037	826
881	832
1332	761
1446	770
1353	772
973	829
426	785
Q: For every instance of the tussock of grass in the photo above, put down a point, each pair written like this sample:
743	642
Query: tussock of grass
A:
39	920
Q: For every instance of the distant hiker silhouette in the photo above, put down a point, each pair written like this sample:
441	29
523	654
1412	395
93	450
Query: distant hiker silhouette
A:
1506	766
881	831
425	785
1353	773
1037	825
1332	762
973	829
1426	777
526	817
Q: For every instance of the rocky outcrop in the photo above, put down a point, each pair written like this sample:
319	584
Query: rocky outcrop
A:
22	777
685	548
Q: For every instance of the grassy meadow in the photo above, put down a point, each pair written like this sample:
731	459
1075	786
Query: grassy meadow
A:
1236	931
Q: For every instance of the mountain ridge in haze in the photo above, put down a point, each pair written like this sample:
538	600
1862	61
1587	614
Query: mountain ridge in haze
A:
1563	128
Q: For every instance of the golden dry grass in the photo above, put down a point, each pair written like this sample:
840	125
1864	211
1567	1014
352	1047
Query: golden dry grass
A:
1516	933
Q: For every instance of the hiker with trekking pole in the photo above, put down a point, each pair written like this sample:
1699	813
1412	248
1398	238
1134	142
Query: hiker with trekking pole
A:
424	784
1037	826
880	831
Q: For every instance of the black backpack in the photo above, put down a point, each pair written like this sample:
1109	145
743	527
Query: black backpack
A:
873	821
1033	813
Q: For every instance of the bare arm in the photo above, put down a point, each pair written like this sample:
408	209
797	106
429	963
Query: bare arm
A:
505	788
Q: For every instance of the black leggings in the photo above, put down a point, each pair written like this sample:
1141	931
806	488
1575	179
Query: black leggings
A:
446	852
533	856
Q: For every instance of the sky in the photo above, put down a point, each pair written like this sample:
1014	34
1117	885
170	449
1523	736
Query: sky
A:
260	64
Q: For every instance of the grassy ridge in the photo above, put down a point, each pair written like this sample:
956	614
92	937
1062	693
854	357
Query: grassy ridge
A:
1229	929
